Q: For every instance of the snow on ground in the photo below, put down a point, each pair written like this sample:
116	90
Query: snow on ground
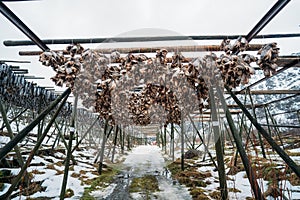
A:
104	192
145	158
141	160
170	191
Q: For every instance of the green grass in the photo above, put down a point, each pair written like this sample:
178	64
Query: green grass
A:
147	184
101	181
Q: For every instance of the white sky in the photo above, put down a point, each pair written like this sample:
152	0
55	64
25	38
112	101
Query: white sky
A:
56	19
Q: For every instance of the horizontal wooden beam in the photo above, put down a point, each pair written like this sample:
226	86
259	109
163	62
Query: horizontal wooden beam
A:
193	48
141	39
282	125
268	92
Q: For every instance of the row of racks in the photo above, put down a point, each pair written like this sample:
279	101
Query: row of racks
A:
17	91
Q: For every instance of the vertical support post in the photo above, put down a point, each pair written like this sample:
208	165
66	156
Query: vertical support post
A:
165	138
238	140
218	145
115	143
122	132
128	141
69	150
40	123
182	143
259	136
172	141
158	138
105	136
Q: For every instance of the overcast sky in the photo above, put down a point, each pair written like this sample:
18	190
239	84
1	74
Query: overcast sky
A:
54	19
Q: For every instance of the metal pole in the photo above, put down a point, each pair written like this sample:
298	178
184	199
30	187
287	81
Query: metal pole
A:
23	133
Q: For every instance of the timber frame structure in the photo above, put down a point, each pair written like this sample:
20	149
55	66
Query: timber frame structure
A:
226	121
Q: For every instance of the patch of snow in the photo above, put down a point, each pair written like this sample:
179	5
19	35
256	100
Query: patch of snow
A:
104	192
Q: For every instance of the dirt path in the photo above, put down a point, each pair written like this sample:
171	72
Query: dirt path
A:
147	160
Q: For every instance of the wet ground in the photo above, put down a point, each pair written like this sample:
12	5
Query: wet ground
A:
146	160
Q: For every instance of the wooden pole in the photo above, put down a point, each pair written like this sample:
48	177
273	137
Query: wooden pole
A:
254	114
203	142
103	147
193	48
69	149
64	140
269	139
172	142
23	133
14	118
218	145
10	133
85	134
182	142
33	152
115	143
142	39
165	139
249	171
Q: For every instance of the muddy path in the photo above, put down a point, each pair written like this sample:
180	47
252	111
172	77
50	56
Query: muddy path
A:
142	161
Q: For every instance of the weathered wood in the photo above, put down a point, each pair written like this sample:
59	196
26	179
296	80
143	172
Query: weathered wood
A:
69	149
239	144
182	143
269	139
193	48
10	133
104	139
267	92
141	39
218	145
115	143
85	134
203	142
20	25
34	150
23	133
172	142
14	118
